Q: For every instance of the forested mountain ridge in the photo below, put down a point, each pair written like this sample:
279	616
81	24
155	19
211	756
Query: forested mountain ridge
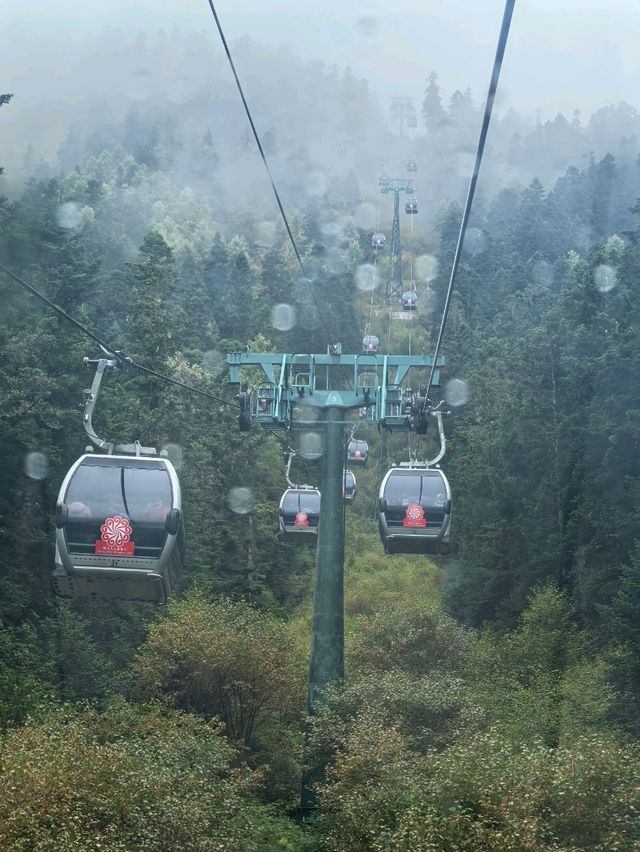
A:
519	735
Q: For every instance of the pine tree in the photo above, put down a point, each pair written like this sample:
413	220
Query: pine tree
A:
433	114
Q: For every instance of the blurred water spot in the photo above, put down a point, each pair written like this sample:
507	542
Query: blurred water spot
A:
213	362
475	241
426	267
179	89
303	411
36	465
334	261
241	500
315	184
267	232
366	215
456	392
174	453
283	317
605	278
302	291
464	162
139	88
309	317
542	273
333	231
367	25
310	445
366	278
69	215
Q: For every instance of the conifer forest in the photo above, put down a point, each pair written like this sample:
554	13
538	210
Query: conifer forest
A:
491	694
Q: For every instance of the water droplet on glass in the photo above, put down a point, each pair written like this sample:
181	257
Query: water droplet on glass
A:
309	316
542	273
310	445
426	267
174	453
69	215
266	232
333	231
179	89
305	412
241	500
475	241
366	215
283	317
367	25
605	278
315	184
213	363
302	291
456	392
139	88
366	279
334	261
36	465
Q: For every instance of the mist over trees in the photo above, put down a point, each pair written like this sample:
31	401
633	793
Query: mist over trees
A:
491	700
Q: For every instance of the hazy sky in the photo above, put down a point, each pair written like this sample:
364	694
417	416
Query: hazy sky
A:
562	54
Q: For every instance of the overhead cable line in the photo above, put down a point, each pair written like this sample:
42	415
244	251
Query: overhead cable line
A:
60	311
268	170
256	136
110	350
493	85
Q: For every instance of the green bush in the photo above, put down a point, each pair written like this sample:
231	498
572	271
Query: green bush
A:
481	793
130	778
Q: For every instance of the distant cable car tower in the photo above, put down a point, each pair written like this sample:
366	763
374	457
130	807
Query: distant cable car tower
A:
395	286
403	114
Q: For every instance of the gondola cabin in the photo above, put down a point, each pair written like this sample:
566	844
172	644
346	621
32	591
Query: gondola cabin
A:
357	452
349	486
409	300
415	511
378	240
411	206
299	514
412	166
370	344
119	529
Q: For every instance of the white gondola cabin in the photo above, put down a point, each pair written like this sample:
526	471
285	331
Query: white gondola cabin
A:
119	529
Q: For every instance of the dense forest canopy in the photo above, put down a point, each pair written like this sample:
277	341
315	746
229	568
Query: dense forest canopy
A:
491	699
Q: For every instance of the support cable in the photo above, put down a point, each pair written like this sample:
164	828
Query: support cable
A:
493	85
110	350
268	170
256	136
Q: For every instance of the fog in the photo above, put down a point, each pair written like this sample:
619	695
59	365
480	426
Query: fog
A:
89	78
563	54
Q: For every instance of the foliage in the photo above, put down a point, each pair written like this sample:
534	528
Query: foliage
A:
76	779
222	658
227	660
504	733
480	793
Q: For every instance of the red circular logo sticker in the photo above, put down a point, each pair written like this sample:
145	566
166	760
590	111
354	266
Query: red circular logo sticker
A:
414	516
115	531
115	538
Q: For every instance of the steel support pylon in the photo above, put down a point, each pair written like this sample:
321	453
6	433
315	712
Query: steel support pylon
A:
395	285
326	664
